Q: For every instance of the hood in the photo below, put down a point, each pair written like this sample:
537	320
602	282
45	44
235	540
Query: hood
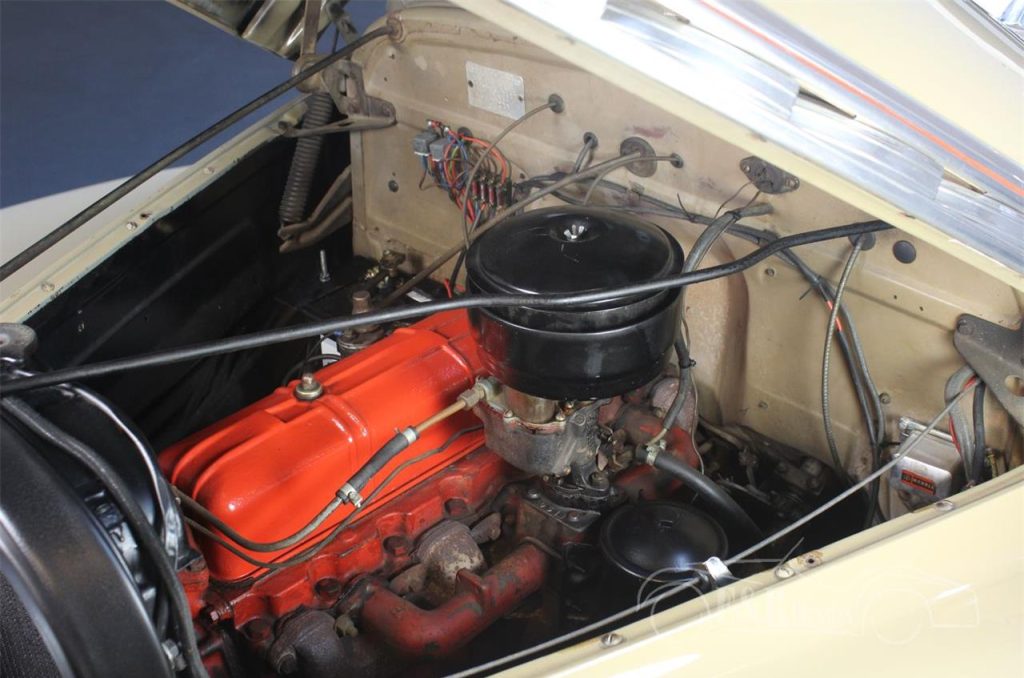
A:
274	25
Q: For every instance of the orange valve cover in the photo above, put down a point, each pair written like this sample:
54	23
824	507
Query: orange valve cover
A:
269	469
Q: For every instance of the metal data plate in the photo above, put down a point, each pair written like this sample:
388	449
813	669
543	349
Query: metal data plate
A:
498	92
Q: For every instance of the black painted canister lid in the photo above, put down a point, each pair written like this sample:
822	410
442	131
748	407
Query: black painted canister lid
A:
571	249
661	540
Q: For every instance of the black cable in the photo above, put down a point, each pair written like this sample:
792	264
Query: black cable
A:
77	221
132	513
457	268
428	270
978	460
683	355
170	520
826	415
285	334
713	496
553	103
300	366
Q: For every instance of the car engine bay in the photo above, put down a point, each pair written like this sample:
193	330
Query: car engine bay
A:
429	493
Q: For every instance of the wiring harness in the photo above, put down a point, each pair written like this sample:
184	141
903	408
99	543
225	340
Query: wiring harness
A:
448	156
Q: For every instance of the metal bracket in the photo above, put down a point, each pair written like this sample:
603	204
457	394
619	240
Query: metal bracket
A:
344	83
768	178
715	572
996	353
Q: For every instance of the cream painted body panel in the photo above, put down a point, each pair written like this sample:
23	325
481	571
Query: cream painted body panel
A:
643	86
934	50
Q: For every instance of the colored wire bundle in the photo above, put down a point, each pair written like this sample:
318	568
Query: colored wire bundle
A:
479	194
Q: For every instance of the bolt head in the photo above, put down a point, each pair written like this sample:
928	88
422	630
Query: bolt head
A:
611	640
308	388
397	545
328	588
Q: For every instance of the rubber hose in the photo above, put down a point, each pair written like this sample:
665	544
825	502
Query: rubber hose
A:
978	461
319	109
717	500
961	426
684	384
380	458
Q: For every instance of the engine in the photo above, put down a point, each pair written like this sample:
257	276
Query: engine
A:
500	475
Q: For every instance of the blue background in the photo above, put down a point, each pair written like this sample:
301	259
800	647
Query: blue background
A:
92	91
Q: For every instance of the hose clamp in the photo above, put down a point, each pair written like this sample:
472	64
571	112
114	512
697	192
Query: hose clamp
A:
410	434
651	452
349	494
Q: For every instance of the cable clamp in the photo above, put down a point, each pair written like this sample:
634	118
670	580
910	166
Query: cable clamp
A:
715	572
410	434
351	495
650	452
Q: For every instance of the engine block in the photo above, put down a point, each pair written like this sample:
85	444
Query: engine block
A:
268	469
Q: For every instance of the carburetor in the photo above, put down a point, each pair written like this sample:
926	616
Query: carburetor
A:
557	367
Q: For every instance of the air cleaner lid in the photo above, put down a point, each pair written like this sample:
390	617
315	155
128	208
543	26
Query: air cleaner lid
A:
571	249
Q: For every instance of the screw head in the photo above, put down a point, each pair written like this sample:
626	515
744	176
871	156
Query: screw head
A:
574	517
884	398
965	327
611	640
508	414
784	572
944	505
532	493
